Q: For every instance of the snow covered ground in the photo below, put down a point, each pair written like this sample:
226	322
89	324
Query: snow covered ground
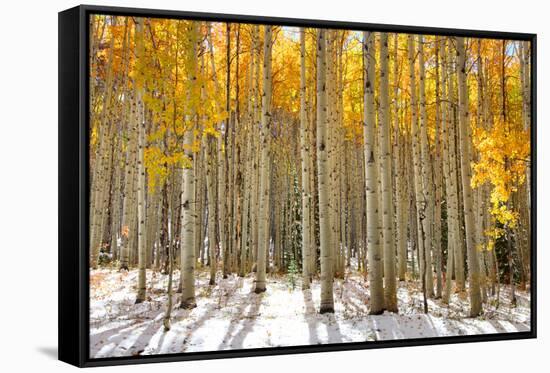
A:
230	316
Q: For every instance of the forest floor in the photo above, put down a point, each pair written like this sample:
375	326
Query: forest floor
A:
230	315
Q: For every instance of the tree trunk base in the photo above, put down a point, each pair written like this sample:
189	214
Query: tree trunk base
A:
474	314
188	304
259	290
326	309
139	300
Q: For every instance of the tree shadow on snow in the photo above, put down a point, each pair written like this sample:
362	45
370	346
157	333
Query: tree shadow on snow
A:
115	335
313	319
393	326
309	316
253	302
221	289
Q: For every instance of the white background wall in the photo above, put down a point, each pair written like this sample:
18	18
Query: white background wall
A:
28	183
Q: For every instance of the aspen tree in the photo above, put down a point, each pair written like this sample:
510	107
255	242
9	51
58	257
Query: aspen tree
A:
249	154
187	236
200	168
371	166
473	265
100	169
525	66
255	190
399	177
221	185
330	146
327	299
129	158
390	286
306	225
151	213
453	176
420	199
437	178
224	151
263	222
140	166
214	176
449	178
211	195
479	193
168	312
119	157
426	171
127	205
236	165
115	200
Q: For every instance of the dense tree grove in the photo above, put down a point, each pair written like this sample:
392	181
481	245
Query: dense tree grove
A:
252	150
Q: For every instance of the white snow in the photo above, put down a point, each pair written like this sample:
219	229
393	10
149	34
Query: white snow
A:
230	316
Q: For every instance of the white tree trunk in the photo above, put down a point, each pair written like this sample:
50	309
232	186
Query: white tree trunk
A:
187	236
451	233
399	176
426	173
417	172
304	152
263	222
211	196
371	166
142	256
390	286
466	176
327	301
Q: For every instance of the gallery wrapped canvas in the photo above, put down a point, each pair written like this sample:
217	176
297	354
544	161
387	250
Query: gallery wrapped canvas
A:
237	186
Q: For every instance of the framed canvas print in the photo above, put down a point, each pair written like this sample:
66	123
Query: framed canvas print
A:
233	186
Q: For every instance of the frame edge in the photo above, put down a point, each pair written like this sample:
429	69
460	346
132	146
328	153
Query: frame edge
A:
70	330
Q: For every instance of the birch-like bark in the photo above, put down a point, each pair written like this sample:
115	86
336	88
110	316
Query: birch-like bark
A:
141	209
168	312
304	152
453	195
420	199
187	236
129	176
399	177
466	176
371	166
249	156
525	80
390	285
437	179
451	233
327	300
263	222
215	170
211	196
426	172
101	162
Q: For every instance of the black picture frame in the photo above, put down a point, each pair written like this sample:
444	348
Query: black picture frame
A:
73	317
